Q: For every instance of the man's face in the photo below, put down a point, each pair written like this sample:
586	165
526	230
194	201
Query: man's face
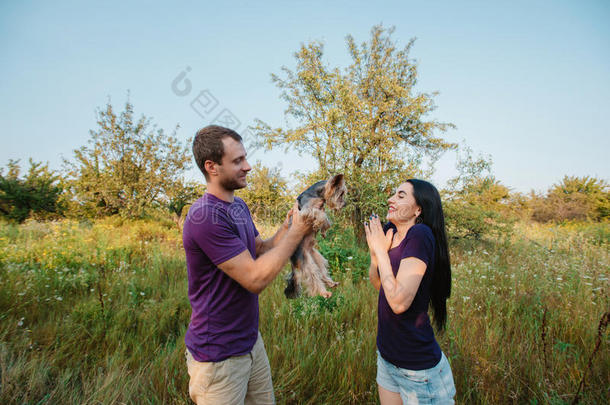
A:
234	168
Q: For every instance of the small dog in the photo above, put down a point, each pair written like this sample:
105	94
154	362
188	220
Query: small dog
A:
309	267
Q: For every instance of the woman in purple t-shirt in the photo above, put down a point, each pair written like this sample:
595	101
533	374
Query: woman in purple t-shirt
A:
410	267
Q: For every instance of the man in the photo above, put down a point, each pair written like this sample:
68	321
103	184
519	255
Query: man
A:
228	265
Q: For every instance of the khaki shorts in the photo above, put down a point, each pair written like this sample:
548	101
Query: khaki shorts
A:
237	380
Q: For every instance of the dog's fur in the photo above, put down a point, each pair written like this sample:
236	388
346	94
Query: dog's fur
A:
309	267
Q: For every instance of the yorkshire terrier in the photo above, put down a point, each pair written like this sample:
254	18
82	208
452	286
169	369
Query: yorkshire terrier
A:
309	267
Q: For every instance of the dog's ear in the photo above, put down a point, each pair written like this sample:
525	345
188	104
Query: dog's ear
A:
336	181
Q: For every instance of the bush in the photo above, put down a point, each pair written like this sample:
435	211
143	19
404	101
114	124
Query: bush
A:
344	255
267	194
573	199
467	220
37	194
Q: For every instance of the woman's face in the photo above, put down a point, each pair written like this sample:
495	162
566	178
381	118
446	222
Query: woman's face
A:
402	207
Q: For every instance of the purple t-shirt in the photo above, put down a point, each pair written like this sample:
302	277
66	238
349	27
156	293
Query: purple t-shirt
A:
407	340
224	319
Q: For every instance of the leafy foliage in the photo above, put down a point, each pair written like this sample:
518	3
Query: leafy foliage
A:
38	193
180	196
365	121
574	198
344	256
267	194
476	203
128	166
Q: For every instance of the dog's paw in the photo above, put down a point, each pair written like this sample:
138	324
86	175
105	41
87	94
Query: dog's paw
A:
326	294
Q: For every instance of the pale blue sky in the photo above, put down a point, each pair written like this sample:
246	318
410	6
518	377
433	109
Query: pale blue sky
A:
527	82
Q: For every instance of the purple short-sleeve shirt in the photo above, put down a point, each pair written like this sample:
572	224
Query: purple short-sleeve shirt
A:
224	319
407	339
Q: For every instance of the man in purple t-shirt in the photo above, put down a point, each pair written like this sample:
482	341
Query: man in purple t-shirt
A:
228	265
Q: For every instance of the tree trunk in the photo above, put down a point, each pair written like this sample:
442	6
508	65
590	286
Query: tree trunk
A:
358	226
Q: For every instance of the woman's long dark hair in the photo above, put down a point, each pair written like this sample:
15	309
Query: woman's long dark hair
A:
429	200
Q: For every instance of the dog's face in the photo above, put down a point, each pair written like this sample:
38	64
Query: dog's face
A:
334	192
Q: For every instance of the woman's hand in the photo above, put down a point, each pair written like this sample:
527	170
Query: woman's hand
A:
377	241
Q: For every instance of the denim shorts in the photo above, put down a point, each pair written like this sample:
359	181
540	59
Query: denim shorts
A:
431	386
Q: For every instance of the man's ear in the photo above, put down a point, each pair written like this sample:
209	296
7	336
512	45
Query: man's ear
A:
210	167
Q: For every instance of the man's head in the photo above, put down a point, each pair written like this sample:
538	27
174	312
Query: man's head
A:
221	156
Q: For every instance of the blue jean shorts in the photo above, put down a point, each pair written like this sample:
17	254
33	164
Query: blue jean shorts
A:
432	386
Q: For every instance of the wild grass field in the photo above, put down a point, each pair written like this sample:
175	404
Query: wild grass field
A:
95	313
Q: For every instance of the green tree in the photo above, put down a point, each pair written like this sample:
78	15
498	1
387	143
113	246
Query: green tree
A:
38	193
573	198
267	194
366	121
129	165
476	203
181	195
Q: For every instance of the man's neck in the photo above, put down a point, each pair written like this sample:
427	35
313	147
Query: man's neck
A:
220	192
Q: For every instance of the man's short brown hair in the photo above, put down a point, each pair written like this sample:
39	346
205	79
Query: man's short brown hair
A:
207	145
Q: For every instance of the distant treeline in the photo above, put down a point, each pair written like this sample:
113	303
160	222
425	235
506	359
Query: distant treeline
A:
365	120
134	172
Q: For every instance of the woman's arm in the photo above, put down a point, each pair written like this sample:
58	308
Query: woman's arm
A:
399	290
374	273
373	270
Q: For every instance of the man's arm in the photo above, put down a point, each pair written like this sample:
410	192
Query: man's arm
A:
264	245
255	275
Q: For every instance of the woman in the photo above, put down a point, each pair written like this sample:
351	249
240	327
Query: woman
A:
410	268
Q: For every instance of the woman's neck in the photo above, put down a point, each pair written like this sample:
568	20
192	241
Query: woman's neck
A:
402	229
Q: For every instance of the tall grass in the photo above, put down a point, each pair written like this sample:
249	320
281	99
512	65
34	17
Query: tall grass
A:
96	313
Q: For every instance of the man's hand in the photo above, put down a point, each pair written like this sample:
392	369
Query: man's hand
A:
289	214
300	224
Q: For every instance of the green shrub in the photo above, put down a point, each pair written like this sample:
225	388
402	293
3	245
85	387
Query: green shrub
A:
38	193
345	256
466	220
